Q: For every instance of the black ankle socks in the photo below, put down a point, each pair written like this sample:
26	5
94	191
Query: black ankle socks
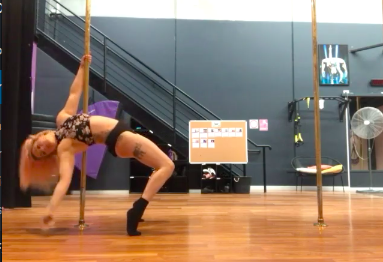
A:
134	216
140	203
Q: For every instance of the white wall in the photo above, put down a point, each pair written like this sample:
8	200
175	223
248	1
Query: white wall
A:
328	11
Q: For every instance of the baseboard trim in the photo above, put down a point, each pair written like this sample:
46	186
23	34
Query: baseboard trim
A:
119	192
256	189
253	189
102	192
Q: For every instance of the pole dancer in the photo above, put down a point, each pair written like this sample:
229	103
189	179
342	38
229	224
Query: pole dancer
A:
50	154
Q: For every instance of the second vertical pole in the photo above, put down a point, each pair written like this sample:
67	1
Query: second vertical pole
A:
81	223
318	150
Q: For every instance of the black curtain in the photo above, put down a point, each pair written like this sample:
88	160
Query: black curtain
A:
17	43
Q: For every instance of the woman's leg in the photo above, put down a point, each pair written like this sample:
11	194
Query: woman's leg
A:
150	155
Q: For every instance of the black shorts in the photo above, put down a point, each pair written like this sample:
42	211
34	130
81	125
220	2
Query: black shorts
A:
111	139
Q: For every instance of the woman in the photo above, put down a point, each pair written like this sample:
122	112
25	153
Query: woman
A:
53	151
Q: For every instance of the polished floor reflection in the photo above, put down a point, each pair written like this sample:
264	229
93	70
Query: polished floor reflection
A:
272	227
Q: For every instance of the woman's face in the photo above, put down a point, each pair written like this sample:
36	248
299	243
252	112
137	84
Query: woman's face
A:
43	147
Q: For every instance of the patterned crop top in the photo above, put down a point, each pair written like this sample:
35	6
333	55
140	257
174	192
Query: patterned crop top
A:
76	127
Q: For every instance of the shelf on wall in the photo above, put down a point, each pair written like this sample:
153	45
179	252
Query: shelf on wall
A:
353	95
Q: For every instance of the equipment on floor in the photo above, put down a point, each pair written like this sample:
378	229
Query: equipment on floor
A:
209	173
367	123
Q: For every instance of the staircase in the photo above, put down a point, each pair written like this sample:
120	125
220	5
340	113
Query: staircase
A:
149	98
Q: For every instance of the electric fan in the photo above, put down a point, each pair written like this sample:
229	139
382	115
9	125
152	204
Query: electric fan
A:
367	123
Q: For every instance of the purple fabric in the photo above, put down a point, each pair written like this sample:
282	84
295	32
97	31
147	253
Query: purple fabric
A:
96	153
33	75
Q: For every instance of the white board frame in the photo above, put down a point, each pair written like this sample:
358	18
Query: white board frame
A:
219	163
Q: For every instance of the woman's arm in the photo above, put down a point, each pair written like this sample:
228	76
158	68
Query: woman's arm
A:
24	168
67	161
71	105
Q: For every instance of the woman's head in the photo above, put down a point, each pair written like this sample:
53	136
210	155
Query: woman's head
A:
43	144
38	162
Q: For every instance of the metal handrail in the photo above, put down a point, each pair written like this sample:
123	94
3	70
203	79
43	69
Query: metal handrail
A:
101	76
132	65
138	60
154	72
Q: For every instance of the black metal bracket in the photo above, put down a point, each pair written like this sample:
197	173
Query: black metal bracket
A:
292	106
342	105
365	48
342	109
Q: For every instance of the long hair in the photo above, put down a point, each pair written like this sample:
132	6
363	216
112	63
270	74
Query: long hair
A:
39	174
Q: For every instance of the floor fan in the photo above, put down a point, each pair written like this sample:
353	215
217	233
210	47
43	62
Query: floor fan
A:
367	123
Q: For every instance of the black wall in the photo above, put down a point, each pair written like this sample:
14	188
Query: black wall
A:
240	70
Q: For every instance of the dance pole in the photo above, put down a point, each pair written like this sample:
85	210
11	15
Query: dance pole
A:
81	223
320	222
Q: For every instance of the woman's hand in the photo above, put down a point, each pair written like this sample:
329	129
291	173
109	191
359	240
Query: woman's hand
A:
86	57
48	221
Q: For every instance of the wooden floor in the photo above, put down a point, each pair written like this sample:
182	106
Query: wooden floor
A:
277	227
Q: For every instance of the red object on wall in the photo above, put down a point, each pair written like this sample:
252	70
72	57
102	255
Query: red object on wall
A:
376	82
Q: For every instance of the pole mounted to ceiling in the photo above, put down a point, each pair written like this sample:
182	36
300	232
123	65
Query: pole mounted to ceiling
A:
81	224
318	158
